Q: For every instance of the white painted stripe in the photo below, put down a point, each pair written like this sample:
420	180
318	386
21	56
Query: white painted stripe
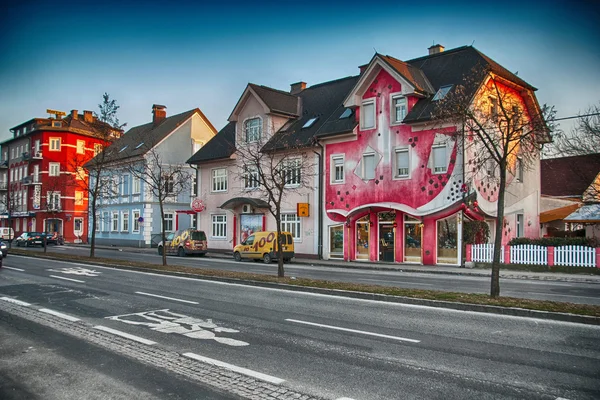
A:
168	298
241	370
124	334
13	268
60	315
67	279
15	301
344	398
354	331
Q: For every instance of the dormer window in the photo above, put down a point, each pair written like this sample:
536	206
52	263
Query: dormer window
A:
442	92
309	123
253	130
56	124
399	109
346	114
367	115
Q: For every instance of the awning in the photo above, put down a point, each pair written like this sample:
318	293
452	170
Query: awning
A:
238	201
587	214
558	214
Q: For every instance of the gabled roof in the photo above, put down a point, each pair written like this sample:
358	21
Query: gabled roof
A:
323	102
140	139
220	146
411	73
587	214
275	101
569	176
558	214
450	67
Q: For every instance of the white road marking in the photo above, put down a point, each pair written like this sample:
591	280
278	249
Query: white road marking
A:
59	315
67	279
241	370
354	331
76	271
168	298
13	268
124	334
15	301
344	398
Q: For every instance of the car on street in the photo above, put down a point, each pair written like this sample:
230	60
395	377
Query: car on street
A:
29	239
184	242
3	248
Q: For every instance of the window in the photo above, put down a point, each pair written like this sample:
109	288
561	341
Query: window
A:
336	241
169	184
439	158
442	92
219	180
105	221
139	145
135	185
493	106
219	226
78	198
253	129
97	226
114	190
53	169
136	220
123	148
520	225
169	222
56	124
125	185
53	200
194	221
79	173
337	169
402	163
251	178
196	145
367	115
368	166
490	168
291	223
97	148
115	221
125	221
309	123
346	114
519	169
54	144
292	172
81	147
398	109
194	184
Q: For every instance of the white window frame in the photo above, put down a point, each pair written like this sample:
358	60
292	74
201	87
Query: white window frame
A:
125	221
394	108
292	171
125	180
253	133
218	228
363	166
337	164
136	221
218	180
98	222
168	185
520	222
78	198
97	148
291	222
80	146
54	144
169	221
519	170
115	221
105	222
53	200
251	179
136	185
53	169
405	174
435	168
363	113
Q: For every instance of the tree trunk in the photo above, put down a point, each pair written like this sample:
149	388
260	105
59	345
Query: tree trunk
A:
162	232
280	270
495	283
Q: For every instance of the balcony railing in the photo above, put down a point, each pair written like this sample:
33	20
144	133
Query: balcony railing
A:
31	180
37	155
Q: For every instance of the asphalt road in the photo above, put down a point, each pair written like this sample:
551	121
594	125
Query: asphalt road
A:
319	345
572	292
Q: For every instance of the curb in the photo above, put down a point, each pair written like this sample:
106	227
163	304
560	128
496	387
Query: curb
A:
516	312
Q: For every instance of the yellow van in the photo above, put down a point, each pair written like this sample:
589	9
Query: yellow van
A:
185	242
263	246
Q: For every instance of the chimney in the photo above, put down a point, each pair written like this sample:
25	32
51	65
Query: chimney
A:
297	87
158	113
74	115
436	48
87	116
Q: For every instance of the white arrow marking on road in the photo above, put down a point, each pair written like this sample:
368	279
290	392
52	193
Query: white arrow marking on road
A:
241	370
354	331
124	334
13	268
15	301
167	298
59	315
77	271
66	279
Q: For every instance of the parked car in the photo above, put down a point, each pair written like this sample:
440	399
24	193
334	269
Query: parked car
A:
184	242
28	239
7	233
3	249
263	246
54	238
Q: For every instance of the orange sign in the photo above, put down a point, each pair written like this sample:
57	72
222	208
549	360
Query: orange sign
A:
302	209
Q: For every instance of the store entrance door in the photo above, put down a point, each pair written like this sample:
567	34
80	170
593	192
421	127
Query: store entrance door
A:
386	242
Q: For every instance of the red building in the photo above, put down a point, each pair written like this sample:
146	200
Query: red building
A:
42	186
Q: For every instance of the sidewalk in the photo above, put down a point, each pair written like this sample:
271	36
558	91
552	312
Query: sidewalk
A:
396	267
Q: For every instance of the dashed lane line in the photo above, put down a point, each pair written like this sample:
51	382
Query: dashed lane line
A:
66	279
15	301
124	334
60	315
14	269
167	298
235	368
354	331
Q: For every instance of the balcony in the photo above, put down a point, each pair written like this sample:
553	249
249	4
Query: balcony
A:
37	155
4	164
31	180
26	156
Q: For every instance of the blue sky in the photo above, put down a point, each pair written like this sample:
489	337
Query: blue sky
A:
64	55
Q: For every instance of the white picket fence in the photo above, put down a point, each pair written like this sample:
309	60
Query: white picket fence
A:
575	256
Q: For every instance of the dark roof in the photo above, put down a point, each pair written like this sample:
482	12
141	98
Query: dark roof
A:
569	176
450	68
220	146
278	101
324	102
148	135
411	73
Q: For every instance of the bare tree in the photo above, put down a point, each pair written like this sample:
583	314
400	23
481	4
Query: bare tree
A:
8	203
273	171
55	188
107	128
501	131
162	180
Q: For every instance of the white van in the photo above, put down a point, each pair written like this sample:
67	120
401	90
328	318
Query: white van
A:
7	234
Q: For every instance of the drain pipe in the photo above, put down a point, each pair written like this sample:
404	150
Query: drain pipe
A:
320	188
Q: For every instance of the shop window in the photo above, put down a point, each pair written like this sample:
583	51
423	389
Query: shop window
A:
362	238
447	240
336	241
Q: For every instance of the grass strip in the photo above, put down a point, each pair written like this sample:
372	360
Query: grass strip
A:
469	298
